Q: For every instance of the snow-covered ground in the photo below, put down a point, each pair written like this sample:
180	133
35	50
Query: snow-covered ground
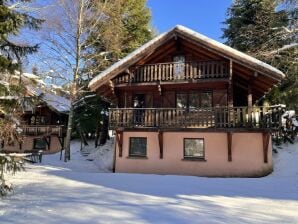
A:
76	192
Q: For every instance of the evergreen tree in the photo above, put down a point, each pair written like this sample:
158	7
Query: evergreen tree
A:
12	20
125	27
267	30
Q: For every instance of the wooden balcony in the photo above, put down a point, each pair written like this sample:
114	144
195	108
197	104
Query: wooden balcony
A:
216	117
171	72
38	130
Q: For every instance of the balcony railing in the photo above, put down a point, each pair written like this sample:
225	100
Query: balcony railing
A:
215	117
175	72
41	130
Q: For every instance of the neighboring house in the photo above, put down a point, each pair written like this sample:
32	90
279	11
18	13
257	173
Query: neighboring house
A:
42	125
184	104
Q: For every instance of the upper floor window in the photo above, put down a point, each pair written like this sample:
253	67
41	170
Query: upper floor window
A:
139	101
194	100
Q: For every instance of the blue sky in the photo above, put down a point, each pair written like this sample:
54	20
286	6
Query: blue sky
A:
203	16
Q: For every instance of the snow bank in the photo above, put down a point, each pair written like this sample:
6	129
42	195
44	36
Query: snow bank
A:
75	192
286	161
103	156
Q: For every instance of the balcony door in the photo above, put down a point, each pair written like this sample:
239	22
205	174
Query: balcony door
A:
139	103
179	65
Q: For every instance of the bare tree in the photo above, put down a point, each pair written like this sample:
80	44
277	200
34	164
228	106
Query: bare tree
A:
66	44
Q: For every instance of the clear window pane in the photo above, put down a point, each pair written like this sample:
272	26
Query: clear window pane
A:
194	148
206	99
138	146
181	100
194	100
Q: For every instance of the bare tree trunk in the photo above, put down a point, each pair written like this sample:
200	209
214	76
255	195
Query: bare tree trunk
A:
75	80
68	135
97	133
82	136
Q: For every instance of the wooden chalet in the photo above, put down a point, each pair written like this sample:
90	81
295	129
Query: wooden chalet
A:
186	104
42	126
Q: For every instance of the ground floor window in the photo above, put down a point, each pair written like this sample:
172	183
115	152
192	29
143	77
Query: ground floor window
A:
194	148
39	143
138	146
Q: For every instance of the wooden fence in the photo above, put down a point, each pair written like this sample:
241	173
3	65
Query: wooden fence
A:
41	130
215	117
175	72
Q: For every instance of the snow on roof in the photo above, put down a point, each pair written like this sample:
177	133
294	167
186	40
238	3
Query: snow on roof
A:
58	103
30	76
120	66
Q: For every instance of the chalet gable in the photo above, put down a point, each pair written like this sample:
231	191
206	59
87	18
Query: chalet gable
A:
247	68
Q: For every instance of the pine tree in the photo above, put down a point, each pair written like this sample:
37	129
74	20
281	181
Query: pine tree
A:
267	31
126	27
12	21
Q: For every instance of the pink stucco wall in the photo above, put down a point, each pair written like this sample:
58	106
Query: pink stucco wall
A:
247	155
27	144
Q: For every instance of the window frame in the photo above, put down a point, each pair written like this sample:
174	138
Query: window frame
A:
188	98
194	157
35	141
134	155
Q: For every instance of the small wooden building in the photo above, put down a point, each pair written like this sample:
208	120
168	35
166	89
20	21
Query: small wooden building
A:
185	104
42	126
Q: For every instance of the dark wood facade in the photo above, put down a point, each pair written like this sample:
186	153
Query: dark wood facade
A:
185	79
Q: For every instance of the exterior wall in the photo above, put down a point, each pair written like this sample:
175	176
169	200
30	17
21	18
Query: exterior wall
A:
247	155
27	145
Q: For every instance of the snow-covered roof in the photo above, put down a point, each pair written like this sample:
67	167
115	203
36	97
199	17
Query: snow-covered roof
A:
58	103
225	50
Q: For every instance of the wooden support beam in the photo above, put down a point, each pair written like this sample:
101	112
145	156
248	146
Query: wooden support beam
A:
112	86
160	141
119	139
48	141
61	141
230	85
249	98
230	141
266	139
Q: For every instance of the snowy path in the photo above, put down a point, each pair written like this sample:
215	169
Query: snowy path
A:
77	193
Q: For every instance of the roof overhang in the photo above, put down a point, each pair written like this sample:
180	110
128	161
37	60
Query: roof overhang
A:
196	38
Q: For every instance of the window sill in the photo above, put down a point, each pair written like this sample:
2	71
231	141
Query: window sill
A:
194	159
136	157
